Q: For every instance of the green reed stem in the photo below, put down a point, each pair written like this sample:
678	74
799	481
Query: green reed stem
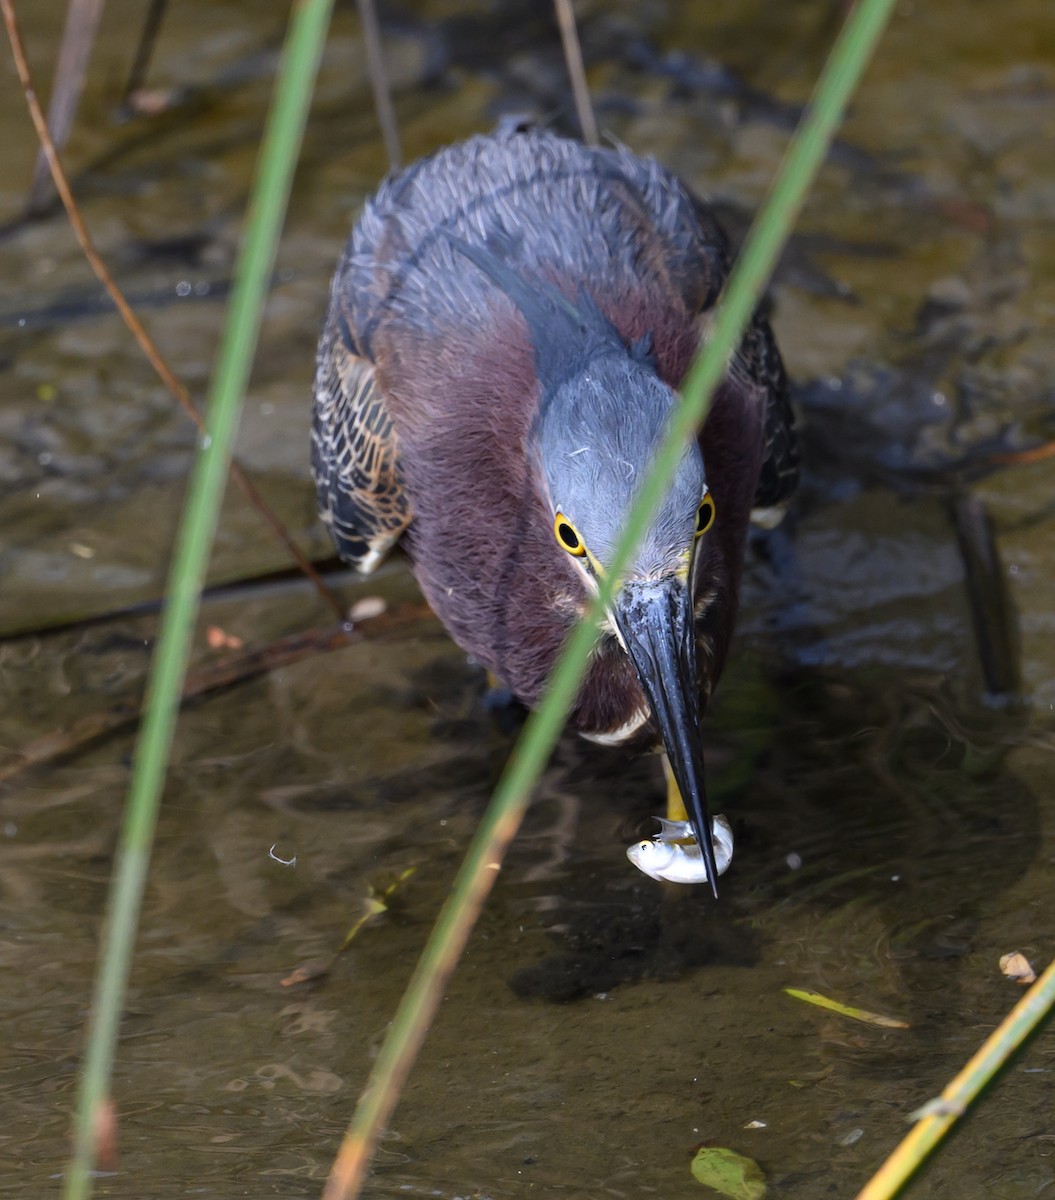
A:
306	36
844	67
938	1117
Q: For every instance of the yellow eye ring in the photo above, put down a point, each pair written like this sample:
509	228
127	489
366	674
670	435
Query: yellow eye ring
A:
705	515
568	536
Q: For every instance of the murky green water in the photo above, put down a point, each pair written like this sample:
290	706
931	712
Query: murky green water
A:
895	834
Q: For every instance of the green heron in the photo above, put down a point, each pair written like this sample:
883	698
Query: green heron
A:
506	334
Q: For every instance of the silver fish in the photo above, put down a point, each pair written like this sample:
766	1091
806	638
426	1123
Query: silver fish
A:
667	856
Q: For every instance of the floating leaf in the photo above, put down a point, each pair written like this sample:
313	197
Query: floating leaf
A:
220	639
858	1014
308	972
376	903
1017	967
366	609
728	1173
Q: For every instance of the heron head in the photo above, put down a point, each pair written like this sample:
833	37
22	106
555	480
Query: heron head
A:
602	413
595	439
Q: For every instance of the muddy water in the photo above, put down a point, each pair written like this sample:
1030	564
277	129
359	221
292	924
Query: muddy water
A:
895	829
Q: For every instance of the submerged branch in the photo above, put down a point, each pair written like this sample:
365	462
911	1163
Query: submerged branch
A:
78	37
992	610
224	590
211	677
144	51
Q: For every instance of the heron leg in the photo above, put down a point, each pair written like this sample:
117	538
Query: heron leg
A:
676	810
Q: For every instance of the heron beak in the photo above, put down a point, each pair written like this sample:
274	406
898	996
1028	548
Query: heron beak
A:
655	620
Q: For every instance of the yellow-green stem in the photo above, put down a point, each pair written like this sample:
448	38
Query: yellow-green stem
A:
761	249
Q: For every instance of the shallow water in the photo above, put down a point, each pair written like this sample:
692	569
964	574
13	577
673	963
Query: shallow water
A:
895	833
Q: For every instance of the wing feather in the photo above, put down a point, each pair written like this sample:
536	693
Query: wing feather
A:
354	449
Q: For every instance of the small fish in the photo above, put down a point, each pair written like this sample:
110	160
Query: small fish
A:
666	856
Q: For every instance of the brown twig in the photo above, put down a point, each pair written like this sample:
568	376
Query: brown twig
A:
212	677
135	327
375	65
569	37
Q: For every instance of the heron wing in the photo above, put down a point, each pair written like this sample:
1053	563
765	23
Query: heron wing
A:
354	450
757	364
759	359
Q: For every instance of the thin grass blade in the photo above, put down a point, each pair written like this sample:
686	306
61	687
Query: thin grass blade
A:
267	207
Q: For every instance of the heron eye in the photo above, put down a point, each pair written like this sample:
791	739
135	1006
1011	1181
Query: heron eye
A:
568	536
705	515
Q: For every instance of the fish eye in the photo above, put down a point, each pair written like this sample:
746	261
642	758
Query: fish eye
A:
568	536
705	515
